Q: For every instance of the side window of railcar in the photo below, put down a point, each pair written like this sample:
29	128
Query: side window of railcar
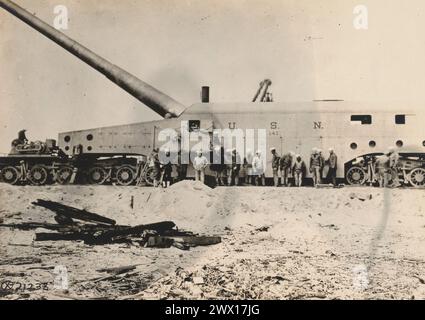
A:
361	119
400	119
194	125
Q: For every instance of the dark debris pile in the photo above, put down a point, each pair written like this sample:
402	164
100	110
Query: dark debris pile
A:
80	225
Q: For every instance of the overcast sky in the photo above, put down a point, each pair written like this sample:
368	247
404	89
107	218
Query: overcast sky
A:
309	49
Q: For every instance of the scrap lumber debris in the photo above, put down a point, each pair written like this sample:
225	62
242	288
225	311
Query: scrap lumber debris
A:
263	229
330	226
20	261
118	270
95	229
73	213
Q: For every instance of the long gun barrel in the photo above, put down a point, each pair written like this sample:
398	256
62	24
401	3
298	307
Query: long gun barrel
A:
153	98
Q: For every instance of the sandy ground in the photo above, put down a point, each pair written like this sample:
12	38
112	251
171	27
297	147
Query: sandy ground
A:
277	243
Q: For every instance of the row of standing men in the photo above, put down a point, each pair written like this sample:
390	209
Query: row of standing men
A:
249	171
293	165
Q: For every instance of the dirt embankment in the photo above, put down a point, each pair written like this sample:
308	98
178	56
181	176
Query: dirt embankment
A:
278	243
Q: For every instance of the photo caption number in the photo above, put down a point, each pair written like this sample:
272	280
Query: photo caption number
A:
18	286
236	309
13	286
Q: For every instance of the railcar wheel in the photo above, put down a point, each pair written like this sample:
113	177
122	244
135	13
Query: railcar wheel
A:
356	176
125	175
417	177
64	174
97	175
149	176
10	175
38	175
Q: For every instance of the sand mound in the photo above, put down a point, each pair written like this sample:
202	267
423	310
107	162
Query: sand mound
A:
189	185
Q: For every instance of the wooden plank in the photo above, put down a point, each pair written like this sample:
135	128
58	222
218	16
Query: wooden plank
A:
198	240
73	213
119	270
61	228
55	236
158	241
136	231
99	234
20	261
31	226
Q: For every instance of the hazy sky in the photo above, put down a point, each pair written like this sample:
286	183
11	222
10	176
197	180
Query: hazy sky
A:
309	49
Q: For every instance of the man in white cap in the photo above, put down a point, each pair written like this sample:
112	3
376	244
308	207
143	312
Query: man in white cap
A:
315	164
332	162
275	166
199	164
258	169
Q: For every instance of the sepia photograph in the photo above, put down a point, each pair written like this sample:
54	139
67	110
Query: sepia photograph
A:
224	152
